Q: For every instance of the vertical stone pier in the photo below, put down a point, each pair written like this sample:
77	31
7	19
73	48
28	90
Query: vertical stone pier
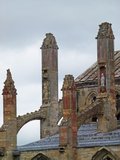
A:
49	85
68	126
106	78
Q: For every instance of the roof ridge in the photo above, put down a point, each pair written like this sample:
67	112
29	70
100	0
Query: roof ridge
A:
90	74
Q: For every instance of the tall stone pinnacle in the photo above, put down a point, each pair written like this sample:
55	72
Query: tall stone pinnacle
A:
9	87
105	31
49	42
68	82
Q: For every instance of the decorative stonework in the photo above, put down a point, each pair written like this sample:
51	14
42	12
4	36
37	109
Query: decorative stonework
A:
49	42
9	87
45	91
68	82
105	31
106	78
68	125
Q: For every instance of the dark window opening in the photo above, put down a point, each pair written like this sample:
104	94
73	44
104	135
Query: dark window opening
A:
93	99
94	119
118	96
45	70
107	158
77	101
118	116
118	106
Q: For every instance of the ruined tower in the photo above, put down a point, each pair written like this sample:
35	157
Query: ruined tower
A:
106	78
49	84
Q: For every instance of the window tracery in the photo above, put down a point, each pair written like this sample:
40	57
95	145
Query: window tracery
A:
91	98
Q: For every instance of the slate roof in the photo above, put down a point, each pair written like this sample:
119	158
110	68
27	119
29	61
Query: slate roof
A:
91	73
87	137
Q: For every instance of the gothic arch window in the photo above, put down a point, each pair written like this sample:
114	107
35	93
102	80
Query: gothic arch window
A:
118	116
107	158
40	157
1	153
91	98
105	154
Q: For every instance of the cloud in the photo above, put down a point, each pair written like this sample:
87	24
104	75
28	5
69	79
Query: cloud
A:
25	22
25	66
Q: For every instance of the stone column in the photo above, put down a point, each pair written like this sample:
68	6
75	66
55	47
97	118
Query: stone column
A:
49	85
9	99
106	79
9	111
68	125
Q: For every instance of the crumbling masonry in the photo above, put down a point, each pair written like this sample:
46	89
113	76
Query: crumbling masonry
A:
84	124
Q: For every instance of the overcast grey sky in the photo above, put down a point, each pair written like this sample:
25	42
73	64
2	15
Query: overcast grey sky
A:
23	25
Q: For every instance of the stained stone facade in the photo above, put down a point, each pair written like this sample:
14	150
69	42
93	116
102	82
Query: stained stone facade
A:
84	124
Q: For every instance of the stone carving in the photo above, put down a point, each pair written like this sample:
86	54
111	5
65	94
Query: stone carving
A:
102	80
68	82
9	84
49	41
45	89
105	31
64	122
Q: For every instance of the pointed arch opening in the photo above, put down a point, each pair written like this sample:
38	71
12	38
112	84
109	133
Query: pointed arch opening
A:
107	158
91	98
105	154
40	156
28	135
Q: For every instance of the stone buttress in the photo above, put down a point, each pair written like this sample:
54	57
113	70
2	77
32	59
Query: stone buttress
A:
106	78
8	131
68	125
49	85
